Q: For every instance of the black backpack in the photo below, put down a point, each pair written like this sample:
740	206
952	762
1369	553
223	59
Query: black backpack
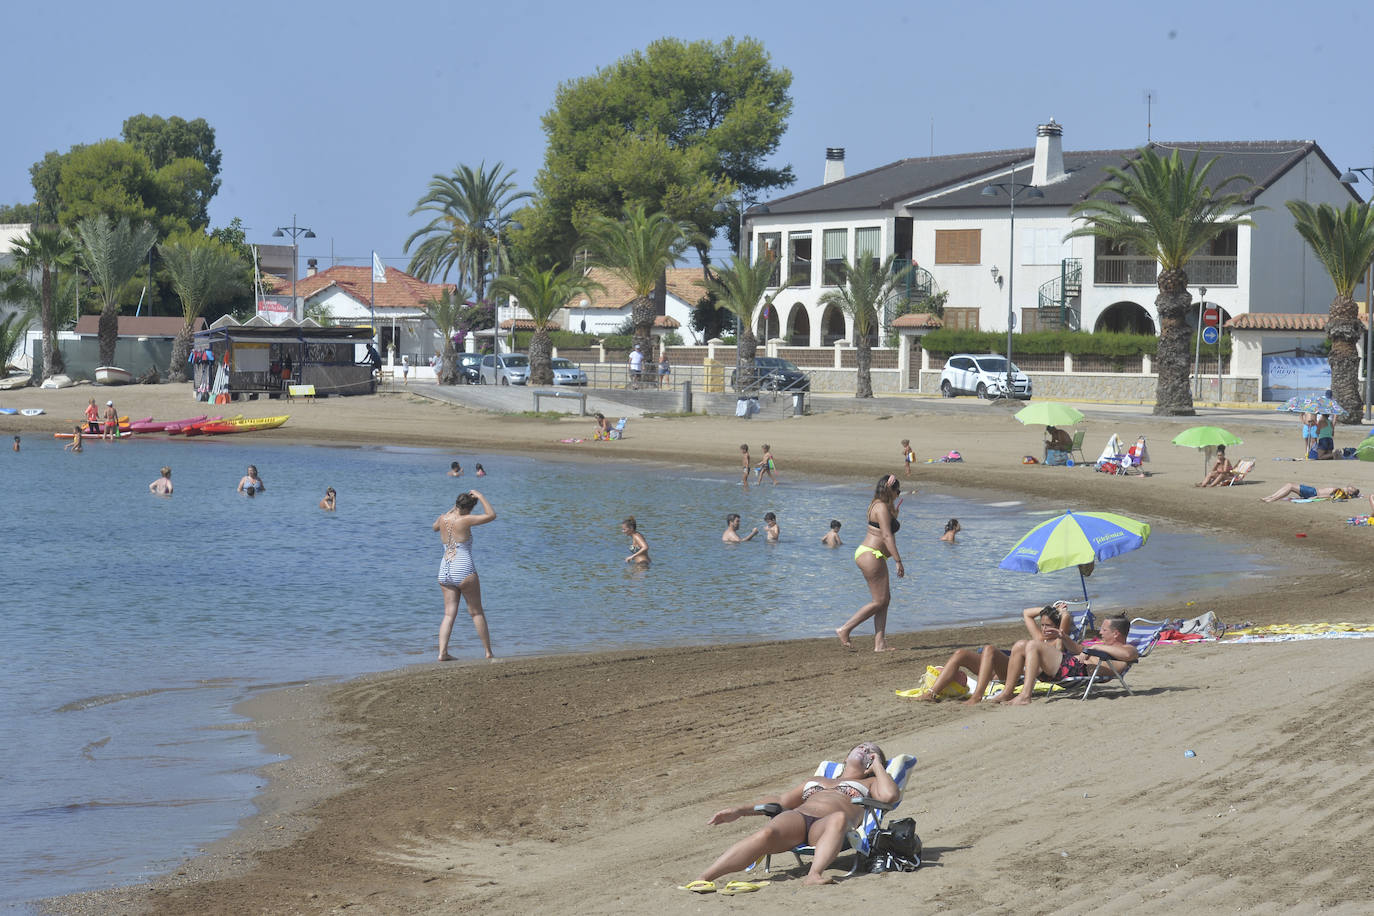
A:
896	848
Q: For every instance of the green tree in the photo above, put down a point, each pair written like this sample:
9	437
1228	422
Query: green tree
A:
677	127
1167	208
203	271
542	293
46	175
1343	240
639	249
165	140
446	313
46	251
741	288
14	327
109	177
868	289
468	226
19	213
112	253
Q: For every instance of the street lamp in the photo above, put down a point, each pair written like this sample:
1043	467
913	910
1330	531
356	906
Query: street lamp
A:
1350	177
1197	348
1013	190
296	232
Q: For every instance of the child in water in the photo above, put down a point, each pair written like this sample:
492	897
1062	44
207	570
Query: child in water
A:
951	529
832	537
770	526
330	501
74	446
767	465
907	455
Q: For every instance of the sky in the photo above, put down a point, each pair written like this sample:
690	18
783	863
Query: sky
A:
338	114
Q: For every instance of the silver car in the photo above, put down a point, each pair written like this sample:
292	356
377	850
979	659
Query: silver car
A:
504	369
567	372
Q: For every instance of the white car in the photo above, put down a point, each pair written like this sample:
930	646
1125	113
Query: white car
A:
567	372
504	369
983	374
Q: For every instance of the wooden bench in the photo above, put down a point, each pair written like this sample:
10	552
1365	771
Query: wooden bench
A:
300	391
556	393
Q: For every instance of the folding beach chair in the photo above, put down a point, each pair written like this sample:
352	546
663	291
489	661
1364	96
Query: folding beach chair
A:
1144	635
1238	473
1077	447
618	431
860	839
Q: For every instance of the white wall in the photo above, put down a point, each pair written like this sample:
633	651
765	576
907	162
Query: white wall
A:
1283	272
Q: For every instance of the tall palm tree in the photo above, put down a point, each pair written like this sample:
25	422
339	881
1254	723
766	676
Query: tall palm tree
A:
1343	240
468	226
112	253
203	271
45	251
14	327
869	287
638	249
1166	208
741	288
542	293
445	313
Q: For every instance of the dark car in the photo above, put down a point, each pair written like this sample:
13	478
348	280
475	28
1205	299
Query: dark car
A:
775	374
469	368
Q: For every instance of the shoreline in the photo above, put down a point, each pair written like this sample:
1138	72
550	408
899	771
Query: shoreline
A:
342	760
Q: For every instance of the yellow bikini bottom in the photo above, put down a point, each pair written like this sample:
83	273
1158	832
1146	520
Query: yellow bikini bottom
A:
873	550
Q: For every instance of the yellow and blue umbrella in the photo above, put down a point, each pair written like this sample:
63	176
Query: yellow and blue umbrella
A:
1073	539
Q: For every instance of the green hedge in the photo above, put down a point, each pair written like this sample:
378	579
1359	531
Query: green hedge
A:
951	340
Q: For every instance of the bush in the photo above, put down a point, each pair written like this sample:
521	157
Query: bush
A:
1107	344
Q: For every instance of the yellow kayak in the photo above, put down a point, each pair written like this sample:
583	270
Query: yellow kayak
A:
243	424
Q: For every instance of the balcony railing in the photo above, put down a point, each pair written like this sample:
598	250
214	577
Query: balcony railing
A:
1125	270
1212	270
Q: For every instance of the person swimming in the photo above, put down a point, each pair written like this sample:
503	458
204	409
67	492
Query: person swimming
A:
250	484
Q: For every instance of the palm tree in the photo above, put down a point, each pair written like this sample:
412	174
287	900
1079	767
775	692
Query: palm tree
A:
638	250
14	327
542	293
1343	240
868	288
1166	208
203	271
445	313
466	231
112	253
742	288
46	250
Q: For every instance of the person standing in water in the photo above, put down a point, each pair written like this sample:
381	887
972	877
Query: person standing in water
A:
111	430
639	548
74	446
457	573
748	465
879	543
330	501
952	528
163	485
832	537
250	484
92	418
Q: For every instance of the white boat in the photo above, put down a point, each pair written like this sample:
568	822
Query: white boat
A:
58	381
10	382
112	375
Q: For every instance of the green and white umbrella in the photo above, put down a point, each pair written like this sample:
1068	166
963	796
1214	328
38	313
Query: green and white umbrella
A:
1049	413
1206	437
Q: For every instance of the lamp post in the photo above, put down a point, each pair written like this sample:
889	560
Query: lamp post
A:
296	232
1013	190
1197	349
1350	176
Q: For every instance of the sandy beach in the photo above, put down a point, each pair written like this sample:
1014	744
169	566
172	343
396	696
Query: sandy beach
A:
583	783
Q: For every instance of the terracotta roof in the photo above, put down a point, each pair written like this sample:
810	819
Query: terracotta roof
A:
682	283
667	321
527	324
918	320
1278	321
142	326
400	291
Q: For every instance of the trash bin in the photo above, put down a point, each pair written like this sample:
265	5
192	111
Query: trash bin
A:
798	403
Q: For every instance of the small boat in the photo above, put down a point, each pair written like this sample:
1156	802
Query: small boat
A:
10	382
149	425
9	411
112	375
58	381
95	437
32	411
191	427
242	425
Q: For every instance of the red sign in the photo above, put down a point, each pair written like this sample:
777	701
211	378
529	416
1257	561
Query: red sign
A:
1211	317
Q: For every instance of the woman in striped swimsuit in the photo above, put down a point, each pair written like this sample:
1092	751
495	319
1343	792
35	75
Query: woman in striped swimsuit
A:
457	574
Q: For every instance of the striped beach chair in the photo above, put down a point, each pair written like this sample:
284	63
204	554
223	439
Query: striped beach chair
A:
1144	635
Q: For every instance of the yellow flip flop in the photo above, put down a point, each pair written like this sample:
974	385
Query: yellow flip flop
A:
699	887
743	887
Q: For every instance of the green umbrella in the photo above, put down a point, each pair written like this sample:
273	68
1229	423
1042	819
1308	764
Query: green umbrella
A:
1365	450
1206	437
1048	413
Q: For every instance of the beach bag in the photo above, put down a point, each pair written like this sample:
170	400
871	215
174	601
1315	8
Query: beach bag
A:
895	848
1030	459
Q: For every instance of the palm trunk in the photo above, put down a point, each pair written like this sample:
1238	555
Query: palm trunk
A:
745	348
448	361
863	387
52	357
109	333
642	315
541	370
1173	359
1343	331
181	352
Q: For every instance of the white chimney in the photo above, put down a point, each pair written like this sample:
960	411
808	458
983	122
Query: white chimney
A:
312	267
1049	154
834	164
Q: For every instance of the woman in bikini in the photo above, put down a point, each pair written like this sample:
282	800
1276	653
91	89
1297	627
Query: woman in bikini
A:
819	812
457	574
1303	491
639	548
879	543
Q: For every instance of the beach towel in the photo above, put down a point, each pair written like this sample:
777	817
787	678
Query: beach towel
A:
1115	448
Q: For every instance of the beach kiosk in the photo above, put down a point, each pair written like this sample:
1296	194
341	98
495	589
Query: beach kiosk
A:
259	359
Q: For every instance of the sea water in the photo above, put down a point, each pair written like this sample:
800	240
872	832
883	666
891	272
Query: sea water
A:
133	624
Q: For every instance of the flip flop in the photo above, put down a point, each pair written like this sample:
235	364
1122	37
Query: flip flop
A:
743	887
698	887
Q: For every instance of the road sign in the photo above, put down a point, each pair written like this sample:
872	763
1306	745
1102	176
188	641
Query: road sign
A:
1211	317
1210	334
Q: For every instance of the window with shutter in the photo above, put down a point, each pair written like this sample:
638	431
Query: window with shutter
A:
958	246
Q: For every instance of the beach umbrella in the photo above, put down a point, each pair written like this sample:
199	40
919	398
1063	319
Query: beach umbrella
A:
1048	413
1208	438
1309	404
1073	539
1365	450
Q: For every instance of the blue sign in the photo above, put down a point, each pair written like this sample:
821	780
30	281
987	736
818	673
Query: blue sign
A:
1210	335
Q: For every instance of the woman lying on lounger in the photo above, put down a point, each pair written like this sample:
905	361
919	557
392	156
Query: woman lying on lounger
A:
1303	491
819	812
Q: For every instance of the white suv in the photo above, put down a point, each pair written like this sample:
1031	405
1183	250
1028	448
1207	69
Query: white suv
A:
983	374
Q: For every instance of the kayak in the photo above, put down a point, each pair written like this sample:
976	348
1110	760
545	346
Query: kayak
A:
188	427
241	425
95	437
149	425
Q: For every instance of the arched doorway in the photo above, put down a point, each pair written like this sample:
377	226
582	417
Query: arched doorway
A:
832	325
1125	318
798	326
766	323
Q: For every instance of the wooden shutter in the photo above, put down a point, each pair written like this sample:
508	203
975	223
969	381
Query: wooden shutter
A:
958	246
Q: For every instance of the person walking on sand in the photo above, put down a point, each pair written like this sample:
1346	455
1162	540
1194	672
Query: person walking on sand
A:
636	366
405	370
163	485
832	537
907	455
250	484
457	573
639	548
330	501
74	446
731	533
879	543
747	465
952	528
767	466
111	430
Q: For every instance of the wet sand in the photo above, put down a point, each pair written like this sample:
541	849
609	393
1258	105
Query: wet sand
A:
582	784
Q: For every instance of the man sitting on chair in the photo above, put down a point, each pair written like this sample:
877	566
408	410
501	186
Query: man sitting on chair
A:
1037	658
1058	444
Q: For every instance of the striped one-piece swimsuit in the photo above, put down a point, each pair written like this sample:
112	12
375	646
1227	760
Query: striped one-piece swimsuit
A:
457	563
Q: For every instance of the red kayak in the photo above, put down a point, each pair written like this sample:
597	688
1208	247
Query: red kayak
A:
149	425
188	427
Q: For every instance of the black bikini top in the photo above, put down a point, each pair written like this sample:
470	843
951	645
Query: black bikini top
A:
896	526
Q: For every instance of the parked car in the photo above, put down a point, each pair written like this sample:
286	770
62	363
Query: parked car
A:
567	372
469	368
985	375
776	374
504	369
